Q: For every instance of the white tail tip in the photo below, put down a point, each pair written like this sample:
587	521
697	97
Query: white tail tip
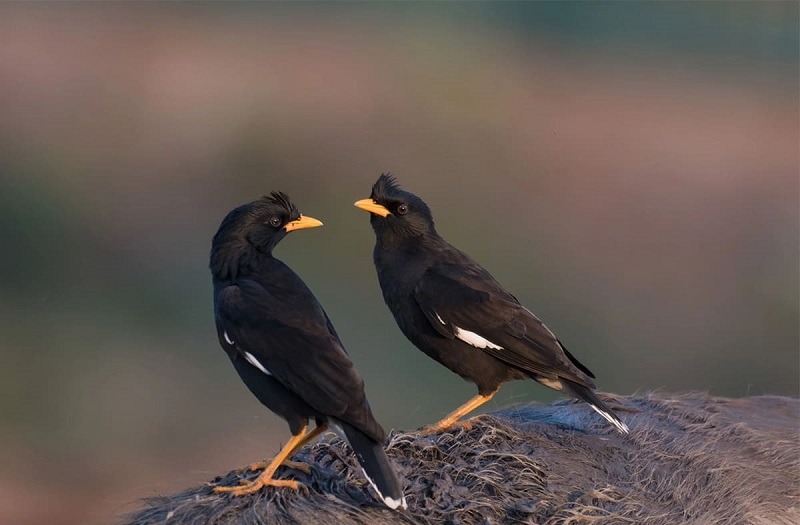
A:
622	427
394	503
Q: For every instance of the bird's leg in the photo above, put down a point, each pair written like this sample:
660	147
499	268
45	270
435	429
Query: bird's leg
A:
299	465
265	479
453	417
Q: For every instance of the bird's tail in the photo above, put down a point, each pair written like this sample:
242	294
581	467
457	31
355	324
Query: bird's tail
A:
376	466
586	394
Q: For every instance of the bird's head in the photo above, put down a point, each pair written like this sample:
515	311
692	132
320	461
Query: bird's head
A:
254	229
394	211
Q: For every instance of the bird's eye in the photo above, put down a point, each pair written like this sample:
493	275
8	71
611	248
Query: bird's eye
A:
402	209
275	222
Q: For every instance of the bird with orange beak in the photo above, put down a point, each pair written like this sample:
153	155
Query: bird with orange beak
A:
452	309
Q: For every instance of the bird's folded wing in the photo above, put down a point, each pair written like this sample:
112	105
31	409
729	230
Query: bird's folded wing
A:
465	302
294	344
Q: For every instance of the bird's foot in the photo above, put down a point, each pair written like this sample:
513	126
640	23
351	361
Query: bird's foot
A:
258	465
445	426
261	465
305	468
249	487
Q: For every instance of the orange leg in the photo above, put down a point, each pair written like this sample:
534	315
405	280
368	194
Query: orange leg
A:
265	479
452	419
308	437
293	464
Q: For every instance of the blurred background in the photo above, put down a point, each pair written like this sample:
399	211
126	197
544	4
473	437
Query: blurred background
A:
628	171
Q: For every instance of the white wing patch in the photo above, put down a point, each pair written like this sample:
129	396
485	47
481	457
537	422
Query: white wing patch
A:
439	318
253	361
471	338
227	337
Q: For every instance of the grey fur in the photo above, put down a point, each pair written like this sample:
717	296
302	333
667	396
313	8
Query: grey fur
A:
691	459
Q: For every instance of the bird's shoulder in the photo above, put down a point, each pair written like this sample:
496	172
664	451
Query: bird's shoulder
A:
279	295
457	277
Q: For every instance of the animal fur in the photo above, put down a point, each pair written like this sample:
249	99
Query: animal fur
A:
689	459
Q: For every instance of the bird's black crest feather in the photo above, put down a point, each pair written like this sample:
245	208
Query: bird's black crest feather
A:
385	187
281	199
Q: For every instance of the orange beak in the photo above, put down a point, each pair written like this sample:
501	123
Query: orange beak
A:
302	223
372	207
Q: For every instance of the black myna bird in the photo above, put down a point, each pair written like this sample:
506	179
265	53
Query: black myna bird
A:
452	309
285	348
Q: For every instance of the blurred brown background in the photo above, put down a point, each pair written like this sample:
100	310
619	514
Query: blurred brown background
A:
629	171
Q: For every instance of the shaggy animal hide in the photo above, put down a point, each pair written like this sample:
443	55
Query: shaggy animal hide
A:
689	459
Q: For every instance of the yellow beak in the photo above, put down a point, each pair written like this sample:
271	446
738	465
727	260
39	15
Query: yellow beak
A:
372	207
302	223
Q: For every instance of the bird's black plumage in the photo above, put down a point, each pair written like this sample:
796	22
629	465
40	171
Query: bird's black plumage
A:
452	309
282	342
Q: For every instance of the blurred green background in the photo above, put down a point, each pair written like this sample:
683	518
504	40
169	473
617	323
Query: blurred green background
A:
628	171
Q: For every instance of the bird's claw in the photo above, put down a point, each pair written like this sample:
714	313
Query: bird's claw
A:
466	424
261	465
249	487
445	426
258	465
305	468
